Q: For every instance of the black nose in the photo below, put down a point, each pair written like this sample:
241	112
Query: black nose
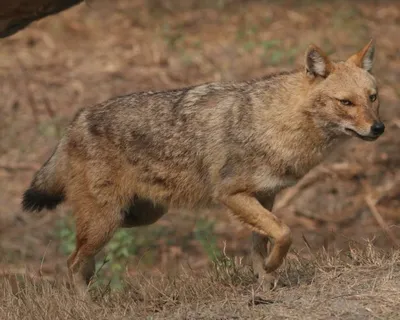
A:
377	128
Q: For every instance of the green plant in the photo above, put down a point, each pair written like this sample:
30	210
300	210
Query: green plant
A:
249	46
231	271
172	36
204	233
54	127
125	245
269	44
66	234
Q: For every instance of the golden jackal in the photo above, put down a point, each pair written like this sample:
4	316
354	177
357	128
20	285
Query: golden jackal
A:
124	162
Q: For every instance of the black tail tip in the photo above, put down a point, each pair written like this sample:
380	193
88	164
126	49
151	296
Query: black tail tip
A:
34	200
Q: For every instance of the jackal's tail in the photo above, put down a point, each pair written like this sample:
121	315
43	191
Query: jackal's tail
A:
47	189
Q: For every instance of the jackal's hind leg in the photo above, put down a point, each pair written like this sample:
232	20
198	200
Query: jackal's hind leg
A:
94	228
261	247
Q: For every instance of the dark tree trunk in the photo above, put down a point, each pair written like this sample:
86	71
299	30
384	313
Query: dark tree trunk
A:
17	14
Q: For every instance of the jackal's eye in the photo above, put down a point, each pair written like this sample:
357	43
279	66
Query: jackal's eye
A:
346	102
372	97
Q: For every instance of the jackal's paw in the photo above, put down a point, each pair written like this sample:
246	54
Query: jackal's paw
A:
267	281
79	288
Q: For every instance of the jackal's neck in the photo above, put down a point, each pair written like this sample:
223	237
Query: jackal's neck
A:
286	125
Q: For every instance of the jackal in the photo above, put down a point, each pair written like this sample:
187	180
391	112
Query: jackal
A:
126	161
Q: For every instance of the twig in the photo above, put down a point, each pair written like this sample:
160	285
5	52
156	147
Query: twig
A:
306	242
350	215
107	288
42	261
380	220
48	107
92	280
312	177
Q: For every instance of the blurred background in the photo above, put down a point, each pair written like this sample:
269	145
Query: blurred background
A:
100	49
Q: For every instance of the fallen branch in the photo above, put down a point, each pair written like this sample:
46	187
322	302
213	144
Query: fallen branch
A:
378	217
313	176
333	218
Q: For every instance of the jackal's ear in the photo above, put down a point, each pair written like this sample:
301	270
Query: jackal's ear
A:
365	57
317	63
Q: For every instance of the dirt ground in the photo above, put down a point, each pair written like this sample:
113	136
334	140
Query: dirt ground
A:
106	48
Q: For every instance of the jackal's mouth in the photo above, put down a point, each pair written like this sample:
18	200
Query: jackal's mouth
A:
356	134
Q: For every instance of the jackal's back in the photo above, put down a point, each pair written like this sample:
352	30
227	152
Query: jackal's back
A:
168	142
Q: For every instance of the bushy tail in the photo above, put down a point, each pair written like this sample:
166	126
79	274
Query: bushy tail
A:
47	189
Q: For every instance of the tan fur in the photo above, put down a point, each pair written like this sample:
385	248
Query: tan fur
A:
124	162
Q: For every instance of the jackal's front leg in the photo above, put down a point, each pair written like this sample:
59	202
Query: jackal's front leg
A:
265	225
261	247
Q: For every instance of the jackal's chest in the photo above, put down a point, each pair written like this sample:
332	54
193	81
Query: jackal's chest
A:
273	182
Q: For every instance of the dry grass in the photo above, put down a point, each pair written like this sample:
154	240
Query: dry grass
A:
92	52
362	284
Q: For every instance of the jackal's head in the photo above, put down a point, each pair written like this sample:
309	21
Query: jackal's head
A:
344	95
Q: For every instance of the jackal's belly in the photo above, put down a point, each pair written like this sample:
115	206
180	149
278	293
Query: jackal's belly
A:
141	212
178	187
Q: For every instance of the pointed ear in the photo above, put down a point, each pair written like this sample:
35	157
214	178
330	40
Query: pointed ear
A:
317	63
365	57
